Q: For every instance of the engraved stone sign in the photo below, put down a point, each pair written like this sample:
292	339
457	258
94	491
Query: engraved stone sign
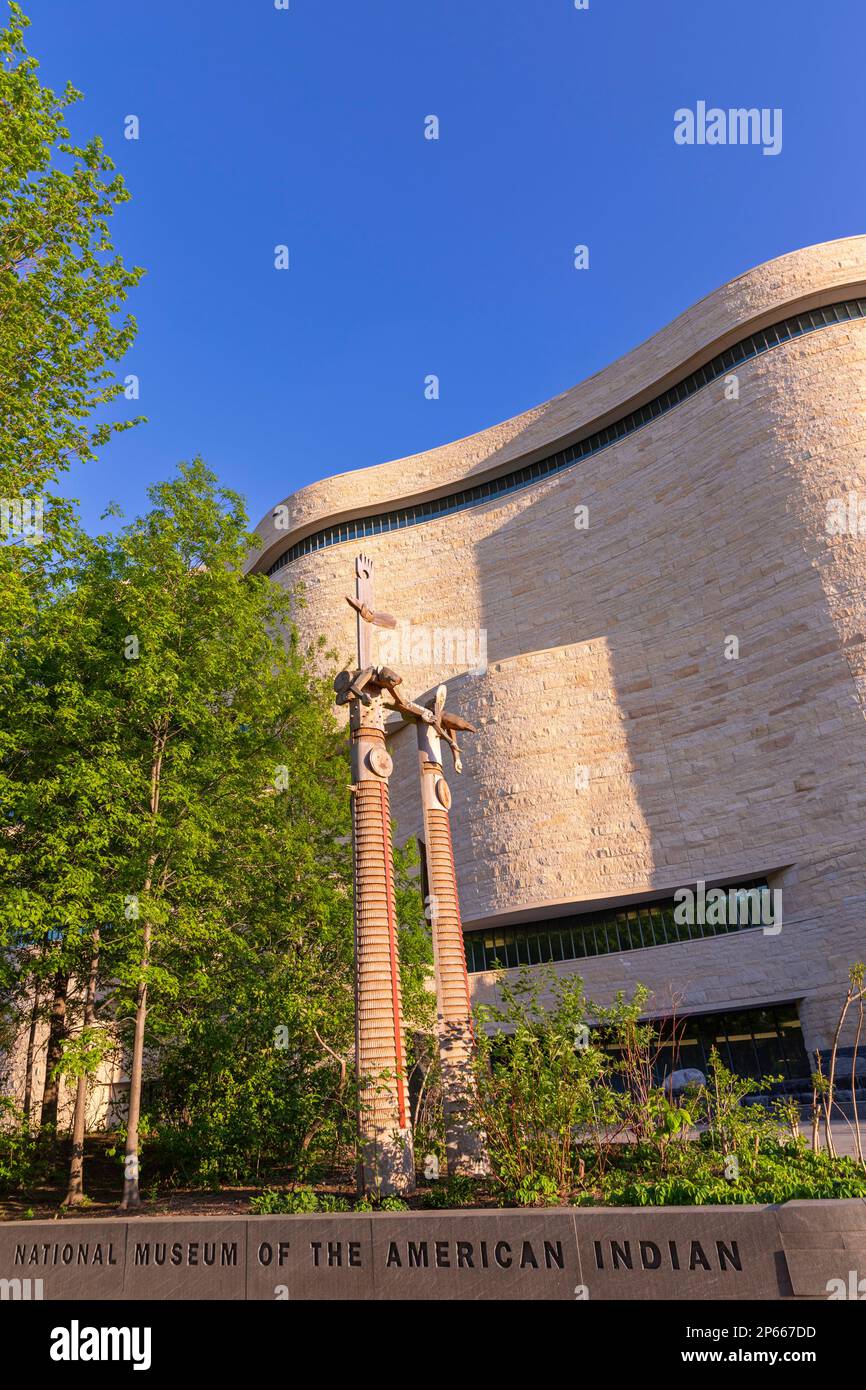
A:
800	1250
680	1252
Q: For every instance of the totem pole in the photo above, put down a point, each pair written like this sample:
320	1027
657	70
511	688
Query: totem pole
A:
385	1126
387	1161
464	1148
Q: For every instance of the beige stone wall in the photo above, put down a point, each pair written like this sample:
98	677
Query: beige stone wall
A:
801	280
606	647
107	1094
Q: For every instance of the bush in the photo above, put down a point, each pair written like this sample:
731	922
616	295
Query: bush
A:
389	1203
537	1082
299	1201
782	1172
456	1191
566	1121
20	1160
330	1202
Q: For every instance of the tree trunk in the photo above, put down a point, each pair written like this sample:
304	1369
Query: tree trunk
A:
131	1194
75	1192
857	1134
31	1051
831	1081
56	1037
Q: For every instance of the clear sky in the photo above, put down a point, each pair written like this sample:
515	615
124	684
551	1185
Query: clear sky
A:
409	256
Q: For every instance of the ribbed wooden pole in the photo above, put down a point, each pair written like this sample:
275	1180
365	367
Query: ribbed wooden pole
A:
387	1162
464	1146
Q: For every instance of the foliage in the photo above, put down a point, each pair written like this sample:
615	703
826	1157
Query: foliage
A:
456	1191
61	283
85	1052
331	1202
20	1158
416	958
536	1084
260	1079
175	777
146	736
304	1201
299	1201
576	1123
782	1172
373	1202
62	287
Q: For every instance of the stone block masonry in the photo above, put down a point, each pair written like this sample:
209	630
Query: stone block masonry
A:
662	1253
626	747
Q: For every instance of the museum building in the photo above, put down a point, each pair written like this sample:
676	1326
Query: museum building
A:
649	595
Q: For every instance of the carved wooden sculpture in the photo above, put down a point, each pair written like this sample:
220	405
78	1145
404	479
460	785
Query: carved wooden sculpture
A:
385	1128
464	1148
387	1158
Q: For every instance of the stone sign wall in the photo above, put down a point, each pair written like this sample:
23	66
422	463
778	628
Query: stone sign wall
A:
789	1252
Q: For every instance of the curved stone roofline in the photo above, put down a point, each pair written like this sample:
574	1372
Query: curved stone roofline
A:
801	280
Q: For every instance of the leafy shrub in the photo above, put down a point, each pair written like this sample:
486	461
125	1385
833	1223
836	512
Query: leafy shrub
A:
782	1172
389	1203
298	1201
456	1191
537	1190
566	1121
20	1161
392	1203
537	1082
331	1202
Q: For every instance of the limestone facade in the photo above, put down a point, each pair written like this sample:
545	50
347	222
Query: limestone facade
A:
622	750
108	1091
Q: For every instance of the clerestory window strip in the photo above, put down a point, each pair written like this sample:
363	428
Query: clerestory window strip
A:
611	931
753	346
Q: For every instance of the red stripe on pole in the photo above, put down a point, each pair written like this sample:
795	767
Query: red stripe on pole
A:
459	924
392	945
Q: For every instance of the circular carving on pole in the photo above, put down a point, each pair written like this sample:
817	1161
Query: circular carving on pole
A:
380	762
443	792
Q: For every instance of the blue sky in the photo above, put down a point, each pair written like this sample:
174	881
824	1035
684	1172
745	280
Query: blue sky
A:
408	256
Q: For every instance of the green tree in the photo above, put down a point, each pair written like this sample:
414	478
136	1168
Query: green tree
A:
255	1064
61	283
57	771
175	782
215	710
62	287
